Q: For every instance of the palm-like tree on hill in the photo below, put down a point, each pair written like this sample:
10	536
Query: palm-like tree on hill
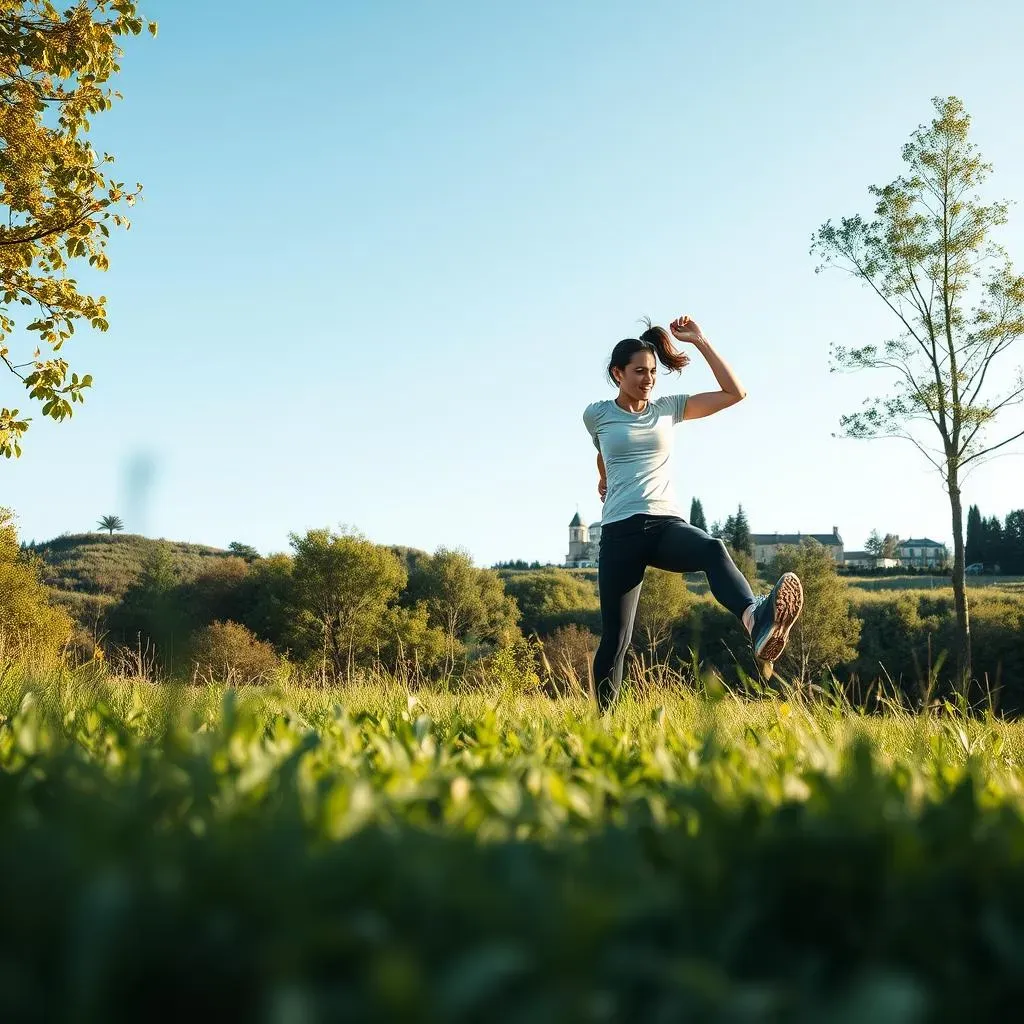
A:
110	524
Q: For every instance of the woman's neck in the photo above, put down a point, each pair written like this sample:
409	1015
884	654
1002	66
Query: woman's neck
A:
623	401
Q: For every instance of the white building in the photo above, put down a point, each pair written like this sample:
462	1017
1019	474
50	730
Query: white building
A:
922	553
583	544
866	560
766	545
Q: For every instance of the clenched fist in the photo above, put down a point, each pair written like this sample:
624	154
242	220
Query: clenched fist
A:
685	329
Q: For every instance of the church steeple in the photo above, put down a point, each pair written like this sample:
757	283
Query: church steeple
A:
581	542
578	535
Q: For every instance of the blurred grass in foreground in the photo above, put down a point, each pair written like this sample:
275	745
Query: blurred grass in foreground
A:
370	854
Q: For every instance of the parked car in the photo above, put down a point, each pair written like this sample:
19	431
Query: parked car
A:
975	569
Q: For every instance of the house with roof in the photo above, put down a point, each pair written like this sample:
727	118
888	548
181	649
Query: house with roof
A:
866	560
584	542
922	553
766	545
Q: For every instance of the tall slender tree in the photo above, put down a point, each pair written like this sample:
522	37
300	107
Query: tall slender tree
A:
973	544
697	515
741	539
929	256
1013	540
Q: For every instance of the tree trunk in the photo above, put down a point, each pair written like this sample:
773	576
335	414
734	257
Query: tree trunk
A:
963	622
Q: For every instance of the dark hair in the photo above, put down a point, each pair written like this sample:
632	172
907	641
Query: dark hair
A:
654	339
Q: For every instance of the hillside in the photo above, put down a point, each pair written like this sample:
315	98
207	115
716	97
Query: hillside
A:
96	564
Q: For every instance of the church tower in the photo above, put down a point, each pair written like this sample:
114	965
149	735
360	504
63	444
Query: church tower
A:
579	542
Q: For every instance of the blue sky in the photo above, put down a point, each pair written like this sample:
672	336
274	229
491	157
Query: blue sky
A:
386	249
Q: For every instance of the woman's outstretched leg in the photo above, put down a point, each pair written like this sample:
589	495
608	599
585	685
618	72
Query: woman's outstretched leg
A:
767	619
686	548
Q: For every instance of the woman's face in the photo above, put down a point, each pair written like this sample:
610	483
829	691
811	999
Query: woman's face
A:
636	381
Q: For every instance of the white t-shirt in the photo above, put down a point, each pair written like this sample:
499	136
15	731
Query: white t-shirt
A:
636	448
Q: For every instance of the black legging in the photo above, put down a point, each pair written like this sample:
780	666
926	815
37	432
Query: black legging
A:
665	542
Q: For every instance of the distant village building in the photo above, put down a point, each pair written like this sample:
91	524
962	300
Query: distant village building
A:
584	542
766	545
922	553
866	560
918	553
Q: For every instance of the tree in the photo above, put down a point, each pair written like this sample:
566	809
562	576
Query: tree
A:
928	255
826	633
664	600
882	547
228	653
217	593
735	532
265	604
874	544
410	642
546	597
110	524
54	70
992	542
467	603
973	546
150	610
746	564
697	515
30	627
1013	542
343	583
725	531
741	539
246	551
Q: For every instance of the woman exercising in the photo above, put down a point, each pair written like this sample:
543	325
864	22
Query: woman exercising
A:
641	523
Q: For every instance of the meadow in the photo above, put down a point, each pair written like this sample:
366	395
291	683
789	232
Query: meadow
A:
371	853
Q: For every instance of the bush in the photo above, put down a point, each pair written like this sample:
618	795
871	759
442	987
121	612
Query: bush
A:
227	652
826	633
30	627
744	561
511	666
897	643
217	593
664	600
997	637
410	646
567	658
908	640
546	597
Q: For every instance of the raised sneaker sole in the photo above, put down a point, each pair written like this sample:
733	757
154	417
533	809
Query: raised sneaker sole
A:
787	603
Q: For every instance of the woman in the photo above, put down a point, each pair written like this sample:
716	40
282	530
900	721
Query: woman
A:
642	523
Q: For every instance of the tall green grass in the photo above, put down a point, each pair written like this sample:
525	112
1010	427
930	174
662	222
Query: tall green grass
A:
371	853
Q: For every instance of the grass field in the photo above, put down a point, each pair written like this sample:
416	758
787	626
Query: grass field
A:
371	854
929	584
1013	583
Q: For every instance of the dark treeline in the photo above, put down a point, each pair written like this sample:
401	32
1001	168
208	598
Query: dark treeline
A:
998	546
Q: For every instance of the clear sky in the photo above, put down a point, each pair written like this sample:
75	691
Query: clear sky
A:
386	248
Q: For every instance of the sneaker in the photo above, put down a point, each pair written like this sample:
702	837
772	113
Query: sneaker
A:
774	615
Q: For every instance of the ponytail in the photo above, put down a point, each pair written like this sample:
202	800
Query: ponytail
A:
654	339
661	341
